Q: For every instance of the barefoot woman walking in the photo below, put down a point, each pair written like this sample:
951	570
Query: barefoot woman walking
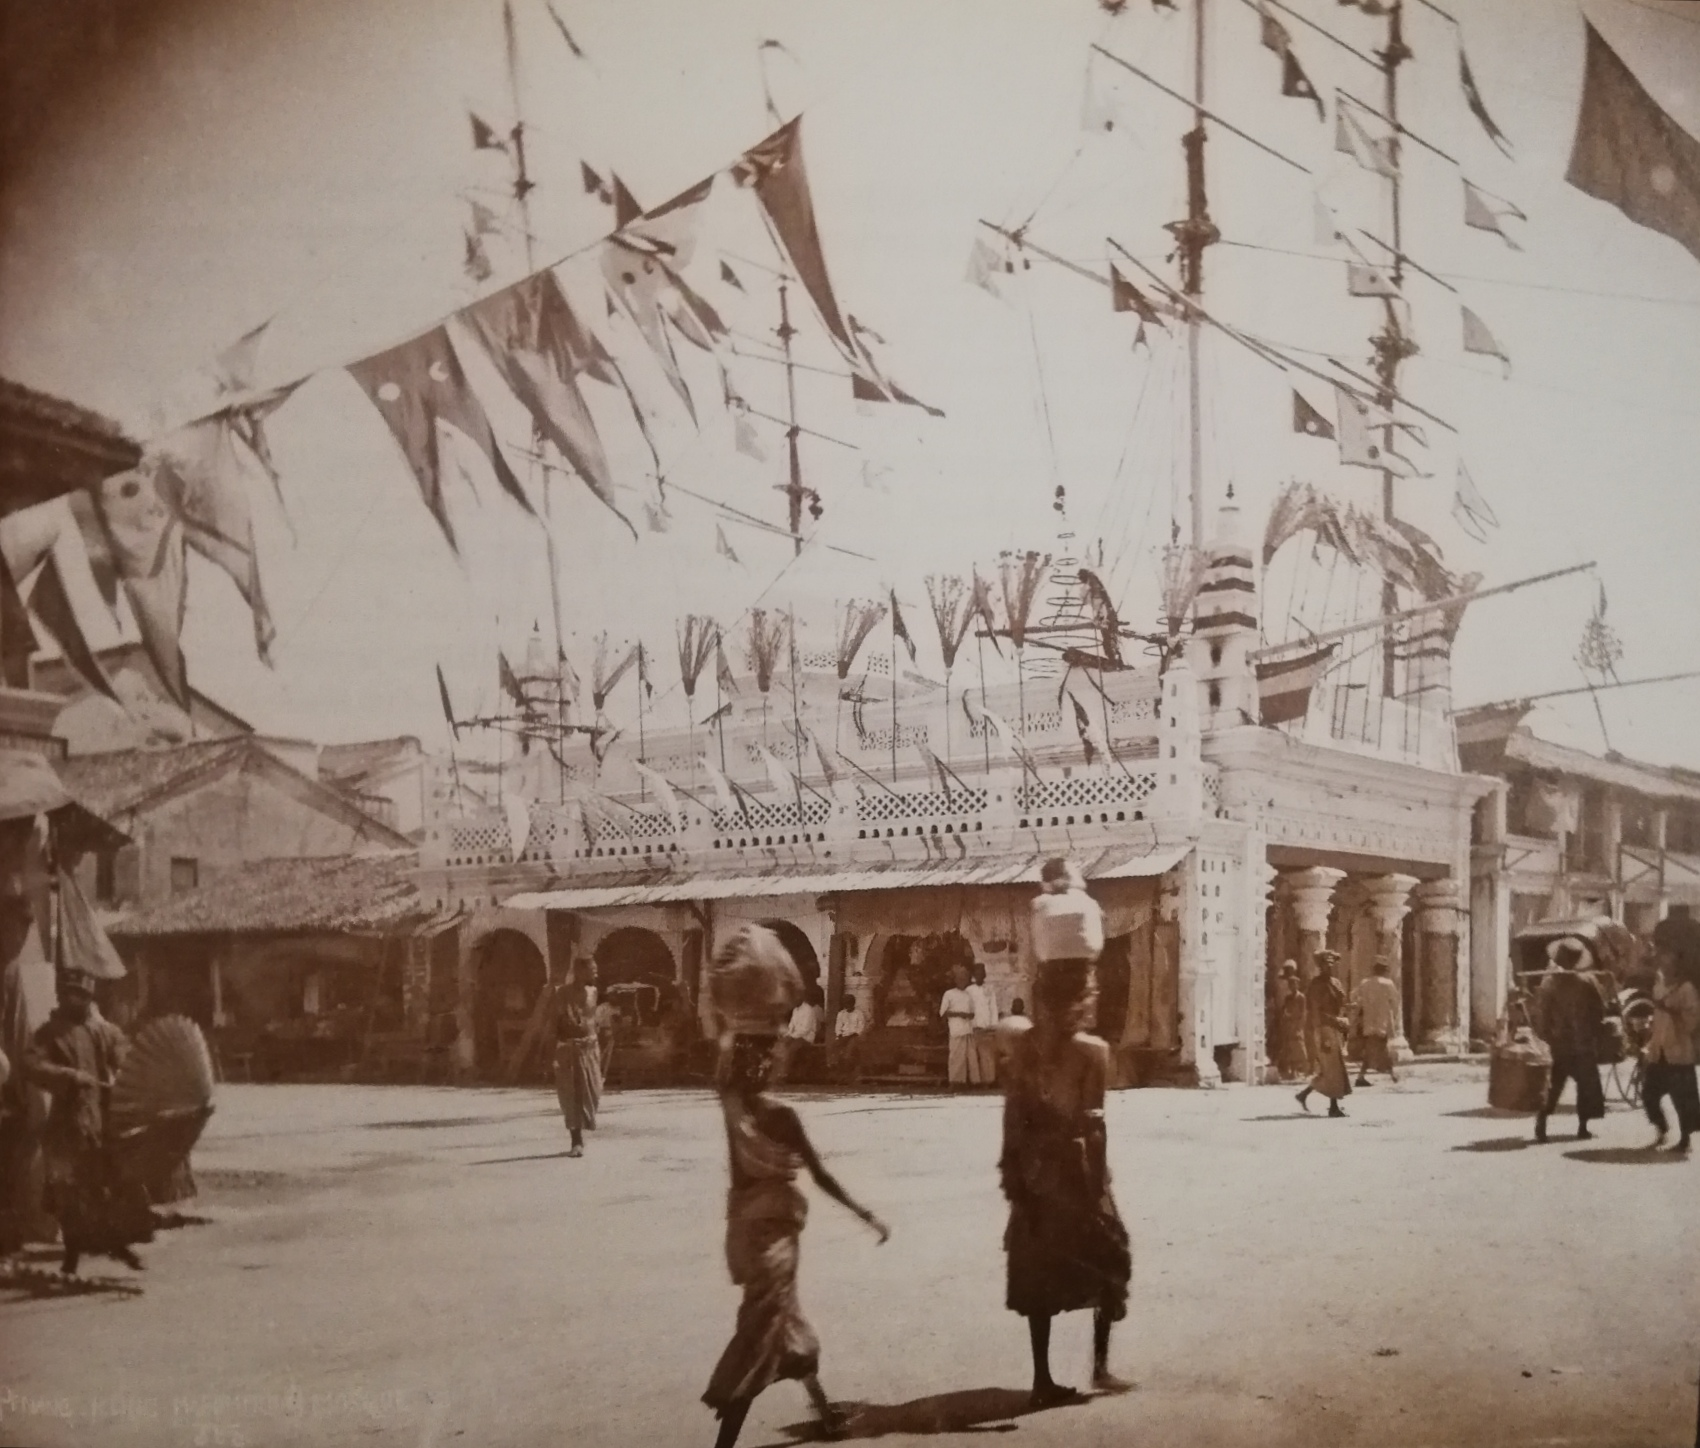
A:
755	985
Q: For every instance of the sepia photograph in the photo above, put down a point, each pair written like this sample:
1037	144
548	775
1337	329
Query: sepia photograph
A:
750	722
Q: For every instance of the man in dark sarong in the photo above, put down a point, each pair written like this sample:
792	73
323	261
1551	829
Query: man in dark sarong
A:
578	1061
1325	1005
1570	1013
75	1057
1067	1248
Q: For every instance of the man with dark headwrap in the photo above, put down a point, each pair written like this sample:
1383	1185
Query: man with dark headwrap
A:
75	1058
1570	1011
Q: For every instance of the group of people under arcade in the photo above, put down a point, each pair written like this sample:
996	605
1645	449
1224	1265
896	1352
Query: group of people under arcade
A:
1065	1244
1316	1025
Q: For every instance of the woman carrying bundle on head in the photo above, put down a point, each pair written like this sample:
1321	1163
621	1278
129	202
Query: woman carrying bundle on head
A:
754	986
1067	1248
578	1056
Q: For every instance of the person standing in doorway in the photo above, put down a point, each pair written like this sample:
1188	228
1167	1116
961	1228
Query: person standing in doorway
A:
753	984
1325	1009
578	1061
1067	1248
957	1008
1671	1049
1570	1013
1292	1059
983	1044
847	1033
1376	1003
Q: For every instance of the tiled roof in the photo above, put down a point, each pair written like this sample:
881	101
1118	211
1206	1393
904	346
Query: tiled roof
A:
354	893
113	783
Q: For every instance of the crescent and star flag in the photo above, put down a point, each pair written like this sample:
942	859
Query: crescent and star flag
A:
663	792
1366	280
1630	152
1473	512
1284	685
1308	420
418	386
1358	447
1473	99
1294	82
1486	212
1478	339
1327	229
1126	297
448	708
1369	152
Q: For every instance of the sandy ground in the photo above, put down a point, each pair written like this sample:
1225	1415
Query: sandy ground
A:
423	1266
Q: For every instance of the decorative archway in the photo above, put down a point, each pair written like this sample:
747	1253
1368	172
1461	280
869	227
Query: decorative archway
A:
635	969
510	973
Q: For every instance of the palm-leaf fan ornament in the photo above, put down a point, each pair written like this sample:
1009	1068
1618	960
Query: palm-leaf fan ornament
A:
1183	573
860	620
697	639
953	612
161	1100
767	637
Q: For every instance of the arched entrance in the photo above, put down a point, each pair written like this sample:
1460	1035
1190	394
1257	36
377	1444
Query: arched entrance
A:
800	949
510	974
635	972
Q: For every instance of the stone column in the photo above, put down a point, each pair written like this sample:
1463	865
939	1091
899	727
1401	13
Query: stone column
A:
1390	903
1261	890
1312	894
1437	1026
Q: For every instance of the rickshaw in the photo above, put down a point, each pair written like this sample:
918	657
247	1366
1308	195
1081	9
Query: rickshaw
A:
1618	955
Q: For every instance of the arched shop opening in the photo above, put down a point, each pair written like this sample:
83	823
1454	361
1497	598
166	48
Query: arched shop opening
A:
510	975
636	974
799	948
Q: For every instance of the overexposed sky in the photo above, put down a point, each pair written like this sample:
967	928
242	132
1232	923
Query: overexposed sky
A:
308	161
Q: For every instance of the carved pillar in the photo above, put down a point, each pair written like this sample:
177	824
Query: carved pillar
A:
1390	902
1263	879
1438	905
1312	894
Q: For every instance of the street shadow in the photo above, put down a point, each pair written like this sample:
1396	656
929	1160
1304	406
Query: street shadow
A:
36	1284
1625	1156
1489	1113
507	1160
438	1123
171	1221
1299	1115
971	1410
1498	1143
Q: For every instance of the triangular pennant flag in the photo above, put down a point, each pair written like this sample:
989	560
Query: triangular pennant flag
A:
664	792
199	475
1098	101
1308	420
484	138
723	677
1365	280
484	221
594	185
1294	82
868	383
1327	228
566	35
656	517
643	672
1629	152
777	775
626	208
829	770
1477	338
745	437
476	263
654	297
722	547
52	605
1487	212
417	386
1089	740
1473	99
984	268
1358	446
900	630
234	368
538	346
730	277
774	167
1351	137
443	697
1470	508
83	942
510	683
1126	297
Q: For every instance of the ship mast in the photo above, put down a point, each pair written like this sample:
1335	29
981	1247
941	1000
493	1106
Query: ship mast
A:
1392	346
1193	235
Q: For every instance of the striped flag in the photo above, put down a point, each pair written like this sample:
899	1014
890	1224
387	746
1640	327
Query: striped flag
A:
1284	685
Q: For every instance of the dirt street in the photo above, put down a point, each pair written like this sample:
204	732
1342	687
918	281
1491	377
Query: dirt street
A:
424	1267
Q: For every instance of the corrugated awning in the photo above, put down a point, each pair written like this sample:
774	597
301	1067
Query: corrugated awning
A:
673	887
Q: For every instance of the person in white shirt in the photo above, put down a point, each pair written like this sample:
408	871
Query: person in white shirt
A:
1376	1004
801	1034
1065	922
983	1050
957	1008
847	1032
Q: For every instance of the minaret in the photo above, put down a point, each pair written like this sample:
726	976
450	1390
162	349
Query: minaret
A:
1179	795
1225	626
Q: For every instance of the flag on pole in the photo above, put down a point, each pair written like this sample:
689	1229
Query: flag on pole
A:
777	774
1630	152
484	137
984	268
1473	99
1294	82
900	630
448	708
664	792
725	801
1327	228
1091	740
1477	338
1486	212
1126	297
722	670
1284	685
745	437
476	263
1308	420
594	185
1372	153
721	546
730	277
1364	279
626	208
1473	512
829	770
1357	422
